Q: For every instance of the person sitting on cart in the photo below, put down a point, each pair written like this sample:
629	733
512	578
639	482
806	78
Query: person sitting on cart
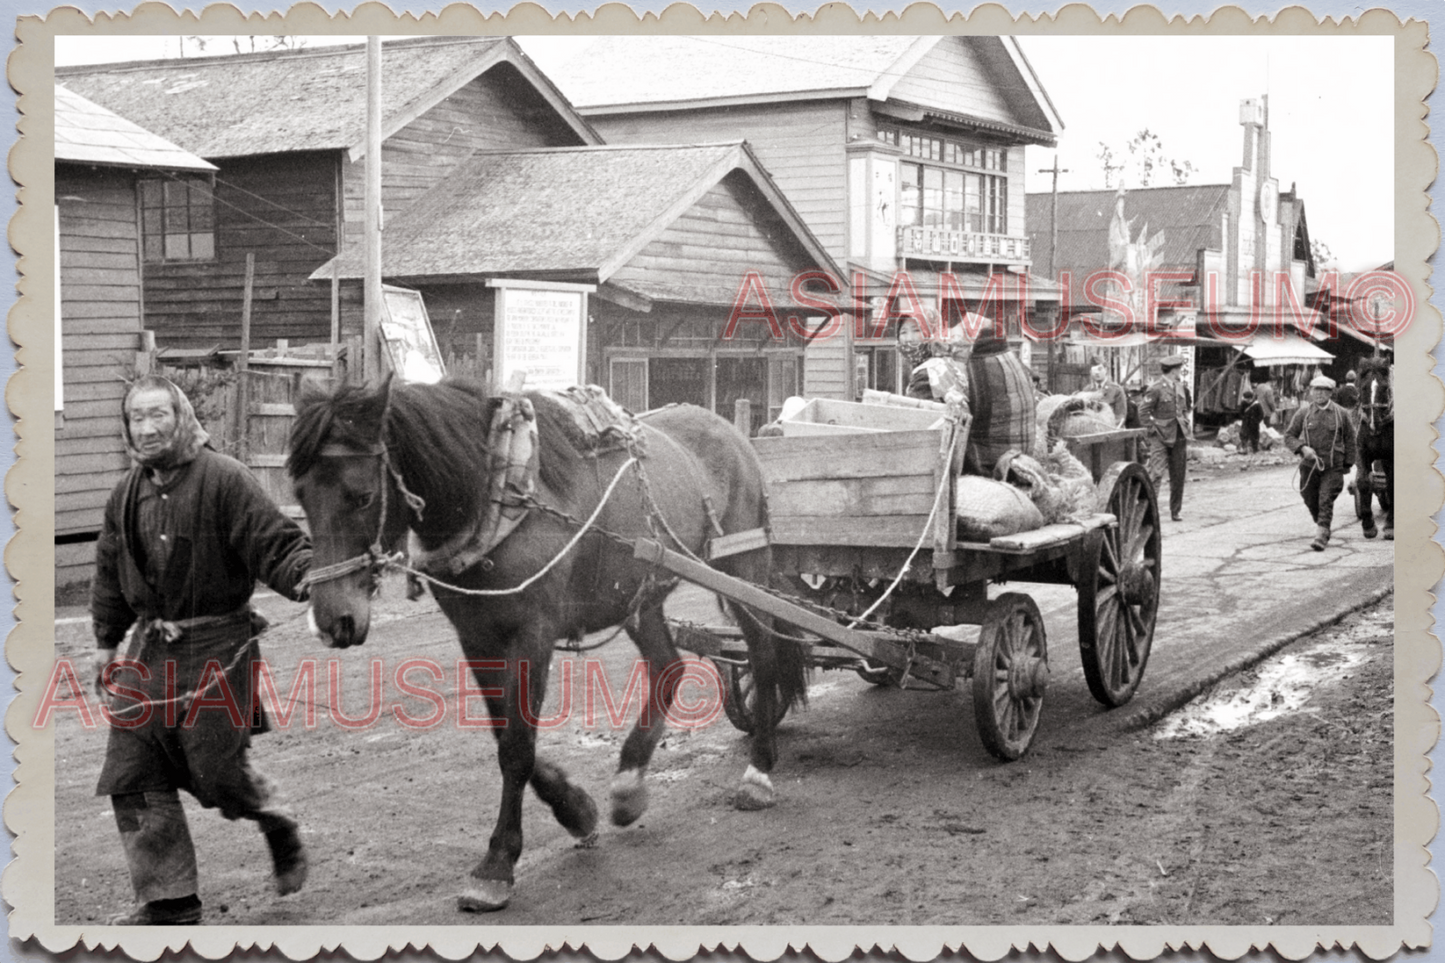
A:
936	358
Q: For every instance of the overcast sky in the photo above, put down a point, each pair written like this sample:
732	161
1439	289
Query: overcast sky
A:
1331	113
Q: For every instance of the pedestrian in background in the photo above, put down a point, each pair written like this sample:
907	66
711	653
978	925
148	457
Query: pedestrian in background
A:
187	534
1264	394
1324	438
1253	418
1347	395
1164	412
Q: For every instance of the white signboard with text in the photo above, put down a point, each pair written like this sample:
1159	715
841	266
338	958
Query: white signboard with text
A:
541	328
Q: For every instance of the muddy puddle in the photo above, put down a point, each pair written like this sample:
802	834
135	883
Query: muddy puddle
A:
1282	684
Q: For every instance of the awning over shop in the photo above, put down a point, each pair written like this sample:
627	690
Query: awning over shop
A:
1291	349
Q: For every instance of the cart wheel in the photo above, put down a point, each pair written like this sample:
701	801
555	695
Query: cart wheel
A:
739	698
1119	587
1010	671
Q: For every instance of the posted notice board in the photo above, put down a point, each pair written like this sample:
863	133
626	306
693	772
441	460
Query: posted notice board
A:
541	329
411	345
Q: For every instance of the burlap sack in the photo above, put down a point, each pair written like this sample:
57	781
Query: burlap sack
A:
989	508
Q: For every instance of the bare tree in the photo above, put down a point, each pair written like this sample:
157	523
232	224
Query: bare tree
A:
1324	257
1141	161
196	46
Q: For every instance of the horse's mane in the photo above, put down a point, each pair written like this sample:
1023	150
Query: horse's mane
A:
436	434
1373	366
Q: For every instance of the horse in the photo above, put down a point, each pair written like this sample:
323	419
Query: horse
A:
370	464
1375	444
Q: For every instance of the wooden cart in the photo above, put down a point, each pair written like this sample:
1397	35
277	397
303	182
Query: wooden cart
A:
853	511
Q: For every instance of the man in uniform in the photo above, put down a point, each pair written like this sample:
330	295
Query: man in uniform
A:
1110	392
1164	412
187	534
1323	436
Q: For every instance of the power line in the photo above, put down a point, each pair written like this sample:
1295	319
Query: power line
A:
329	252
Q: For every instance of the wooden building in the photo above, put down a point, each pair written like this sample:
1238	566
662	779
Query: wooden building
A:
287	131
900	154
663	233
102	162
1240	251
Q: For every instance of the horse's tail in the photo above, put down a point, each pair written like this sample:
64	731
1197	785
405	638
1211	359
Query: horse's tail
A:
792	676
786	655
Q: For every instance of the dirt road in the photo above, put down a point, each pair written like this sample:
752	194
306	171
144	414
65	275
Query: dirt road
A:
890	810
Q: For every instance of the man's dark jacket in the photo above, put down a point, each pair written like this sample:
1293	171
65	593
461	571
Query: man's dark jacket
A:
228	535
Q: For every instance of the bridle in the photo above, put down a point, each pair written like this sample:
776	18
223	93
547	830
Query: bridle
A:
1373	406
376	559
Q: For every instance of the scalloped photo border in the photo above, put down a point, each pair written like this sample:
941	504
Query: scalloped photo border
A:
29	879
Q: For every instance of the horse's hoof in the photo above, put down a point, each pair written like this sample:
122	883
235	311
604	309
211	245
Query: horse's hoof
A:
485	896
582	819
629	797
587	842
755	791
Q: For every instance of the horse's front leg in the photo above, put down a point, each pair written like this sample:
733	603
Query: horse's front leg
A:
492	880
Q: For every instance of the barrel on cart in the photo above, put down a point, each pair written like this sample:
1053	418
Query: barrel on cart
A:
868	561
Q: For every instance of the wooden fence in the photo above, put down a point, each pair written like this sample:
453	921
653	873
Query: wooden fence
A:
249	411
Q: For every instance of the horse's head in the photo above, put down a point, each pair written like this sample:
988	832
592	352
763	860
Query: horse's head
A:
338	463
1377	400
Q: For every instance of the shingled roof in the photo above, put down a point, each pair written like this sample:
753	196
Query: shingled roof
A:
313	99
650	69
87	133
578	212
1189	217
619	74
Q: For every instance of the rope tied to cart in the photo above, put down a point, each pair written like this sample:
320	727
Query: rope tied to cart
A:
922	537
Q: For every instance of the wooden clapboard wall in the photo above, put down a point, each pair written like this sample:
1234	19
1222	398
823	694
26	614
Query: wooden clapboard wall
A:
100	329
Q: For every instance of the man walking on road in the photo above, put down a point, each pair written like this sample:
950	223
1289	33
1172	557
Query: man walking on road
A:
1164	413
187	534
1324	438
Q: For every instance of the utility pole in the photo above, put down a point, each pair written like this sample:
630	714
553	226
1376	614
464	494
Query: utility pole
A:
371	331
1053	263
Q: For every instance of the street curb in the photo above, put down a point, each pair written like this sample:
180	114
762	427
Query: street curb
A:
1172	699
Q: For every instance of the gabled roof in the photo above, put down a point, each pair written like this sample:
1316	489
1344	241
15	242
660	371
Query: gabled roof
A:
87	133
581	212
1188	217
313	99
626	74
657	70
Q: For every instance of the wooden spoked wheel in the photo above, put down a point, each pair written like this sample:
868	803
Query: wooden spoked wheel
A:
740	697
1010	672
1119	586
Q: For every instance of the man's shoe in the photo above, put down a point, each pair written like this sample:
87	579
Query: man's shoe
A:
1176	517
1370	530
185	911
1389	532
1322	538
288	858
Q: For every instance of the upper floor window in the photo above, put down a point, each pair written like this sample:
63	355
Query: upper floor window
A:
973	198
178	219
946	150
934	197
